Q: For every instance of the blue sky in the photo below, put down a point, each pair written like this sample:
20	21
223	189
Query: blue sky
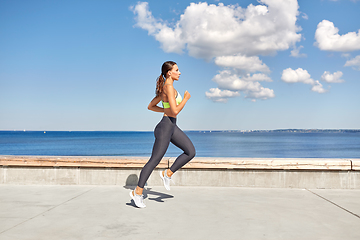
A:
92	65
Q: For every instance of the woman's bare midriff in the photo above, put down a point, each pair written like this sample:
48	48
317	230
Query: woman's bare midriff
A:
169	115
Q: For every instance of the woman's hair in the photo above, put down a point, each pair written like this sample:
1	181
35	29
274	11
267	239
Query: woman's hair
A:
167	66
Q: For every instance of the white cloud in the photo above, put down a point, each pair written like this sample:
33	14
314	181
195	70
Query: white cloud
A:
243	63
208	30
318	87
355	63
328	38
296	52
229	80
332	78
237	76
305	16
263	93
218	95
257	77
231	35
157	28
300	75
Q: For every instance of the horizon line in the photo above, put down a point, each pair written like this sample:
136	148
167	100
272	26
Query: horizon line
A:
194	130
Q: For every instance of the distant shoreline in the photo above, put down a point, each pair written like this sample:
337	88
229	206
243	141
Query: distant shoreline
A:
205	131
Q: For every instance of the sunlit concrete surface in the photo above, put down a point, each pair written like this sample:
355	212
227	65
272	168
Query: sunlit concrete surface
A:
106	212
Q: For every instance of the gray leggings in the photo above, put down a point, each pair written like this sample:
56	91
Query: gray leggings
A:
165	132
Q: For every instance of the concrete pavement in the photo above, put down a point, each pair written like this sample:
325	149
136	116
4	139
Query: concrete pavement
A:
106	212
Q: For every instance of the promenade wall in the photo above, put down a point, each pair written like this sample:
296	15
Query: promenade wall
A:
219	172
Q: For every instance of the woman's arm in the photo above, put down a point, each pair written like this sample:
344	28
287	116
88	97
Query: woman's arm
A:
153	105
170	91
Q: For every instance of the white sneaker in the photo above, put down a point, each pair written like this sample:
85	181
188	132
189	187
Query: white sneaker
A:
138	199
166	180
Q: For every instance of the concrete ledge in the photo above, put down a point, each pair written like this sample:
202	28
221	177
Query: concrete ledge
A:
196	163
269	179
356	164
71	161
74	176
221	172
268	163
185	177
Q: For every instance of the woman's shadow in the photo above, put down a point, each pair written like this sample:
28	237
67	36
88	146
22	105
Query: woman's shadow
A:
131	183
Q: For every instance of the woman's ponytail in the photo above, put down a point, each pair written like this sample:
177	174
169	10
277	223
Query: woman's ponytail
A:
159	85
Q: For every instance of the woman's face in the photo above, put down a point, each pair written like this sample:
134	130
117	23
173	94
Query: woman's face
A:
174	73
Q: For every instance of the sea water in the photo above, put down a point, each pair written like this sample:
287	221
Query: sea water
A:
262	144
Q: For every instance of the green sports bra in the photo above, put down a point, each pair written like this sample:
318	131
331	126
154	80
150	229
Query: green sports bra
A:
178	100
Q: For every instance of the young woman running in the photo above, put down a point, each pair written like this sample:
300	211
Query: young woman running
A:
166	131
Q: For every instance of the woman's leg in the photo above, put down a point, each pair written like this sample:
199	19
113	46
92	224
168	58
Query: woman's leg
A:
163	132
182	141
